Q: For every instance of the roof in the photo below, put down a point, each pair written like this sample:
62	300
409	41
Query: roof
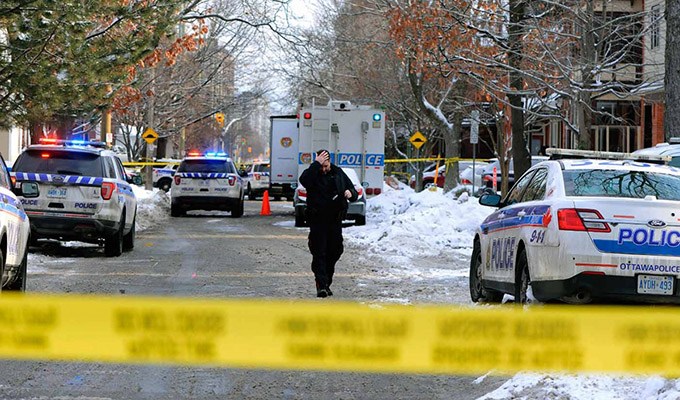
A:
624	165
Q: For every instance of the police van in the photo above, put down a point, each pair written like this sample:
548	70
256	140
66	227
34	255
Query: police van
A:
579	230
207	182
83	195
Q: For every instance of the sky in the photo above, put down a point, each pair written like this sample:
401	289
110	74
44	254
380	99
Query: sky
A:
401	216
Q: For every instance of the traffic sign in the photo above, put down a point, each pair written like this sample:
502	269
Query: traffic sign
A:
474	127
417	139
149	135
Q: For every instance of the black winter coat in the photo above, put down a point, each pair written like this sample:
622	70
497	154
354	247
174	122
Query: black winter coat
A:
325	193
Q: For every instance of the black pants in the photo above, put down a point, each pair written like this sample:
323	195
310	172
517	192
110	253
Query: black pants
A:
325	244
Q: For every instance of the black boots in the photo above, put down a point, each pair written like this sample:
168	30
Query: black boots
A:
323	291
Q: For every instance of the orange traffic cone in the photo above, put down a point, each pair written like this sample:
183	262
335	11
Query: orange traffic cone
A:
265	204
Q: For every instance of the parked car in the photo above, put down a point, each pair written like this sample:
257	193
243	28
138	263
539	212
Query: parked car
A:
429	173
162	177
487	174
85	194
579	230
356	210
257	180
663	149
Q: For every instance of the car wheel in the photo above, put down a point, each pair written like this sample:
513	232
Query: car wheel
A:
522	278
164	184
113	245
19	282
251	194
360	220
477	292
238	212
175	211
129	239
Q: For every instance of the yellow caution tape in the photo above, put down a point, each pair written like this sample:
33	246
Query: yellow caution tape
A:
338	336
153	164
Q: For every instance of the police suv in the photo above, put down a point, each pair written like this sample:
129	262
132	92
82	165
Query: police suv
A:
15	231
257	179
84	194
576	230
162	177
208	182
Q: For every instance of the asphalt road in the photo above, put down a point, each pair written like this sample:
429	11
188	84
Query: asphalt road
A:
212	255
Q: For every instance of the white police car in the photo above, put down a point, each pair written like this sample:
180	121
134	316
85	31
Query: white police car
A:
576	230
257	180
162	177
83	194
15	231
208	182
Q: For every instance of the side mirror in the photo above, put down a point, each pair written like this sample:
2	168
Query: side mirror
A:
490	199
27	189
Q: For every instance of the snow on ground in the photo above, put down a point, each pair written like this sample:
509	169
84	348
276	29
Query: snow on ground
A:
403	226
153	207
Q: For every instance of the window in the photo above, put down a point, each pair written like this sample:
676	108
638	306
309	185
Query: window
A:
536	188
109	167
515	194
619	183
4	178
654	26
60	162
120	168
219	166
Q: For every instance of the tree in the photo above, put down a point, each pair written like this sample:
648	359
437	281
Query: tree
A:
672	78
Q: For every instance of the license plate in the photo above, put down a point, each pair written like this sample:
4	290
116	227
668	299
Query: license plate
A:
204	182
655	284
57	193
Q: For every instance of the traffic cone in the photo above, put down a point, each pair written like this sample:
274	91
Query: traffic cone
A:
265	204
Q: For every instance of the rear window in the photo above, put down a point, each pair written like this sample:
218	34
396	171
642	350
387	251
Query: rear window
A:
617	183
262	168
206	166
59	162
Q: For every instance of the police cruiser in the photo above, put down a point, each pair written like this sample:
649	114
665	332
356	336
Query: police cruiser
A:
84	194
207	182
162	177
15	231
257	180
576	230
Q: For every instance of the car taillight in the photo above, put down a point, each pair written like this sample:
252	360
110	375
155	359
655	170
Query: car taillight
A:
107	190
377	191
14	180
575	219
232	180
257	177
178	180
465	182
359	190
369	191
486	178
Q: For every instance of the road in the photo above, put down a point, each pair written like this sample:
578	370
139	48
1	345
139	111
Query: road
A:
212	255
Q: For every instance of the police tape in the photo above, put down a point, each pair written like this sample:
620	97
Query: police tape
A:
144	164
340	336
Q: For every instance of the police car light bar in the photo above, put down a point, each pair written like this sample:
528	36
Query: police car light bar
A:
215	154
557	154
63	142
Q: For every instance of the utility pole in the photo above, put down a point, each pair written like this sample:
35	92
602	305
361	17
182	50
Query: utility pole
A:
148	176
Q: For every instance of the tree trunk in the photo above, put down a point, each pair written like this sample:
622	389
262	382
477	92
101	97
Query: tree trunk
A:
520	153
672	78
452	143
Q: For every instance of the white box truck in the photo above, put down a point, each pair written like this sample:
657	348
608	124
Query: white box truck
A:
355	138
283	146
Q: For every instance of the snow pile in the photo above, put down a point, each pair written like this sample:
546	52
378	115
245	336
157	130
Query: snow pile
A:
153	207
401	222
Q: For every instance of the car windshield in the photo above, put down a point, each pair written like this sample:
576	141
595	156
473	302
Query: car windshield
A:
262	168
619	183
59	162
205	166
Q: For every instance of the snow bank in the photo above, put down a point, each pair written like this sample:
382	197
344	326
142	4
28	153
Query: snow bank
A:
153	207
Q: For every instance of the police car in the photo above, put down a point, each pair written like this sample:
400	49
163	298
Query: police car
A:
162	177
15	231
84	194
577	230
257	180
208	182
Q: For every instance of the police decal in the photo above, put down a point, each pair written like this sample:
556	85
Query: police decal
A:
503	253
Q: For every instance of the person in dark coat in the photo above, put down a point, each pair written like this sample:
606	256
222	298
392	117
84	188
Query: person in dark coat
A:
328	192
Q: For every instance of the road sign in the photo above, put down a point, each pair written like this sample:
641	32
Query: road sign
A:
149	135
474	127
417	139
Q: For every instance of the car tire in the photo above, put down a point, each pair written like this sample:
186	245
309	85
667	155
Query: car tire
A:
477	292
113	245
238	212
251	195
299	220
164	184
522	278
175	211
360	220
129	239
19	283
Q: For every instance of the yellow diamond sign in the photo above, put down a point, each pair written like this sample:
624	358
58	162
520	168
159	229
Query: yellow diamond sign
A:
417	139
149	135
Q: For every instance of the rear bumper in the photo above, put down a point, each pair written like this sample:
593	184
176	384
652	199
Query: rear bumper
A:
83	228
282	189
205	203
605	287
